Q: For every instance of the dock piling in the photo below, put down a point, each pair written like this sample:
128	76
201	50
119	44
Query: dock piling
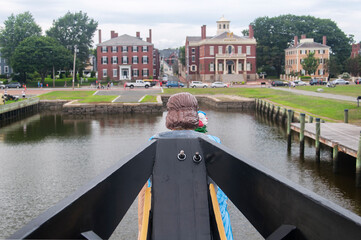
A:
358	164
310	119
302	133
335	158
318	132
346	116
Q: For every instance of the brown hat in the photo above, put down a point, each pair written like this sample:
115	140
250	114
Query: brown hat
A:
182	112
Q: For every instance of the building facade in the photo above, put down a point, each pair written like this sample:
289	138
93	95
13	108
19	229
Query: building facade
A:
356	50
225	57
126	58
5	69
295	54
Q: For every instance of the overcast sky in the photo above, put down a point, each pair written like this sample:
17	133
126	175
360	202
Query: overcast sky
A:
172	21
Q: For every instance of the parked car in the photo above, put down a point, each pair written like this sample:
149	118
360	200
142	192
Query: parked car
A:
340	81
219	85
2	85
165	78
13	85
315	81
198	84
174	84
358	81
300	83
279	83
262	74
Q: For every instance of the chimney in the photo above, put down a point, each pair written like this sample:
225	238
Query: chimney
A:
202	32
112	34
149	39
324	40
295	41
138	34
251	33
303	36
100	35
116	35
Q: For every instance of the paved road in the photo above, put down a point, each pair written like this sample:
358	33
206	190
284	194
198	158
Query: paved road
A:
318	94
129	95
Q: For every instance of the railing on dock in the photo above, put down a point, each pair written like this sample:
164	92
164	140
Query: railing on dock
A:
179	163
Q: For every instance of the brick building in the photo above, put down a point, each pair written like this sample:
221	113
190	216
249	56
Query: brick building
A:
127	58
295	54
225	57
356	50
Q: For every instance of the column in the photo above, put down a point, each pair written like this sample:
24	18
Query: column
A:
237	66
216	67
224	66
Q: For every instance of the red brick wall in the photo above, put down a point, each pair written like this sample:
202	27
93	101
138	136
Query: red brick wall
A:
140	66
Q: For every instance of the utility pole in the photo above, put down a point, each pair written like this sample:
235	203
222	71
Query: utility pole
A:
75	50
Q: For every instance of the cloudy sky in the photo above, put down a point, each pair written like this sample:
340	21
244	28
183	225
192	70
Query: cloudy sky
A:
172	21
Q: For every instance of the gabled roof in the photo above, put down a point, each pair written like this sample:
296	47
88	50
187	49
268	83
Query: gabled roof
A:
225	35
125	40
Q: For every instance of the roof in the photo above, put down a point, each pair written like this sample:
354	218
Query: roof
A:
309	45
221	39
125	40
222	19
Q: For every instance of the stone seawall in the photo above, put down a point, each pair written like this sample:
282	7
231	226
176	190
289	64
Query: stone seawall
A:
223	102
73	107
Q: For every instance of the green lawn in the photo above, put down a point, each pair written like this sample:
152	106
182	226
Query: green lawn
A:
82	96
149	98
321	107
347	90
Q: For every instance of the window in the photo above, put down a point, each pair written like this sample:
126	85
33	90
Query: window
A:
211	67
104	60
220	26
248	50
220	67
193	68
239	49
114	60
249	67
193	50
145	48
220	49
114	49
104	49
193	58
105	72
125	59
145	59
135	60
154	62
229	49
6	69
135	48
211	50
124	48
135	72
115	72
145	72
154	71
240	67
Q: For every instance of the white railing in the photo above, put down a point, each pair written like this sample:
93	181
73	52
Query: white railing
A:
231	55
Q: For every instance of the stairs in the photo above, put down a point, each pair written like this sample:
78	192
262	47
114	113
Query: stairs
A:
229	78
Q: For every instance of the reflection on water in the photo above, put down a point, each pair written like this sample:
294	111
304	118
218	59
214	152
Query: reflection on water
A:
45	158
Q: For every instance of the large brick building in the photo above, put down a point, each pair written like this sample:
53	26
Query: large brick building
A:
225	57
295	54
127	58
356	50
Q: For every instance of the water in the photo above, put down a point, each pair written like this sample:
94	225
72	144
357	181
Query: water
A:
45	158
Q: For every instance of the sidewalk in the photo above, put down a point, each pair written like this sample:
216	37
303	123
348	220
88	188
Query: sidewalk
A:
318	94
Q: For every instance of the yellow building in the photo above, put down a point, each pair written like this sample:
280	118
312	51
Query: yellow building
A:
295	54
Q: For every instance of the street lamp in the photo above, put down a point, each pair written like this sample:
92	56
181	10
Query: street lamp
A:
75	50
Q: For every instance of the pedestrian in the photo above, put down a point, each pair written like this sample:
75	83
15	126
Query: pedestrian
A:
25	87
5	92
108	85
160	83
38	84
23	94
41	85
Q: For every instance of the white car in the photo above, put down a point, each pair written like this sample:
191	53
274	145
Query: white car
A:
219	85
300	83
198	84
340	82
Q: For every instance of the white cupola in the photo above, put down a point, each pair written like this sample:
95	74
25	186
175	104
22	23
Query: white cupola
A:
222	25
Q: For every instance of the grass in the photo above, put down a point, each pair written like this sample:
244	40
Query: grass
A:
325	108
149	98
347	90
82	96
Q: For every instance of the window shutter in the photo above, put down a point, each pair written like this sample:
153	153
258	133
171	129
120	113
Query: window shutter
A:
131	48
101	60
117	60
142	60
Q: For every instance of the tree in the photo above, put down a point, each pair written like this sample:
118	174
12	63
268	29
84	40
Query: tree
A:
275	34
40	54
17	28
332	66
310	63
353	66
182	55
75	29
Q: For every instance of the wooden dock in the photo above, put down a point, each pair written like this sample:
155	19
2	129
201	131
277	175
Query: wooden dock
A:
346	136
